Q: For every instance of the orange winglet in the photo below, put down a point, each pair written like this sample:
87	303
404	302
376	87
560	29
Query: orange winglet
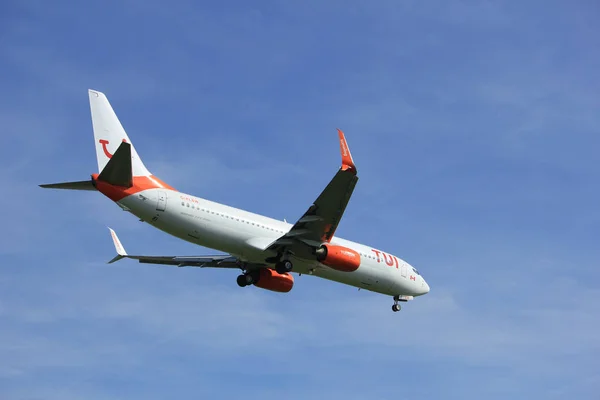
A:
347	162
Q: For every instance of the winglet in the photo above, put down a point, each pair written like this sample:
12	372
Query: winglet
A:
347	162
121	253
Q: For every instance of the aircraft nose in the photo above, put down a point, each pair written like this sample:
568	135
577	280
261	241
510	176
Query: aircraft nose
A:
425	287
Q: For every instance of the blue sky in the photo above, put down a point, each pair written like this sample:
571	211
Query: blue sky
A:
474	126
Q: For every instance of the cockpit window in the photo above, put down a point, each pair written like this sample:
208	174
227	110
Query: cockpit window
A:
415	271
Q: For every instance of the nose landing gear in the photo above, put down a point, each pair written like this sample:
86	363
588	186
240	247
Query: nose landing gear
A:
396	307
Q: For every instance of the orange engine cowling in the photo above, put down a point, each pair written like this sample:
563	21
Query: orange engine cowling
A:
338	257
272	280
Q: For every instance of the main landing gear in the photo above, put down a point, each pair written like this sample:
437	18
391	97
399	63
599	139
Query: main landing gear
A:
248	279
396	307
251	277
282	263
284	266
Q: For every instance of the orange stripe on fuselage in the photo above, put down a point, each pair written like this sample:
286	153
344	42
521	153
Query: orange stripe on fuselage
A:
140	183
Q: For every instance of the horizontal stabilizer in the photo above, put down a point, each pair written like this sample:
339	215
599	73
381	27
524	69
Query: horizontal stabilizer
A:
79	185
118	170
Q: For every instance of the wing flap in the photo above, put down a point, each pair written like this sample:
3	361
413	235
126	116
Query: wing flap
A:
218	261
202	262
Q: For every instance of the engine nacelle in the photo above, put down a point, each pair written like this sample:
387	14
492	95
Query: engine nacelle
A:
270	279
338	257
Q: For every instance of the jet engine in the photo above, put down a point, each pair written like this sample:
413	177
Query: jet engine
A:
270	279
338	257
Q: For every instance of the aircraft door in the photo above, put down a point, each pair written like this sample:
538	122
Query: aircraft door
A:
161	203
403	270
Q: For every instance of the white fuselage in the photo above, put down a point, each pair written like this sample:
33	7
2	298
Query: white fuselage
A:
246	235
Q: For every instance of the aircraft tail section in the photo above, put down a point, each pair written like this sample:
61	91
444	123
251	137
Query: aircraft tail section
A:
117	172
121	172
109	134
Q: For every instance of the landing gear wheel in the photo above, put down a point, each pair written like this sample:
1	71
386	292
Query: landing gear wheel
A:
241	281
248	279
396	308
283	267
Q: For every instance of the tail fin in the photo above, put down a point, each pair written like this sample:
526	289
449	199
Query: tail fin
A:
109	134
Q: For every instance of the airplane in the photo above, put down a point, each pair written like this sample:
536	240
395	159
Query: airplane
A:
266	250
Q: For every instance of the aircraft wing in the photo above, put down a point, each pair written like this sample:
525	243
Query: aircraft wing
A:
219	261
319	222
